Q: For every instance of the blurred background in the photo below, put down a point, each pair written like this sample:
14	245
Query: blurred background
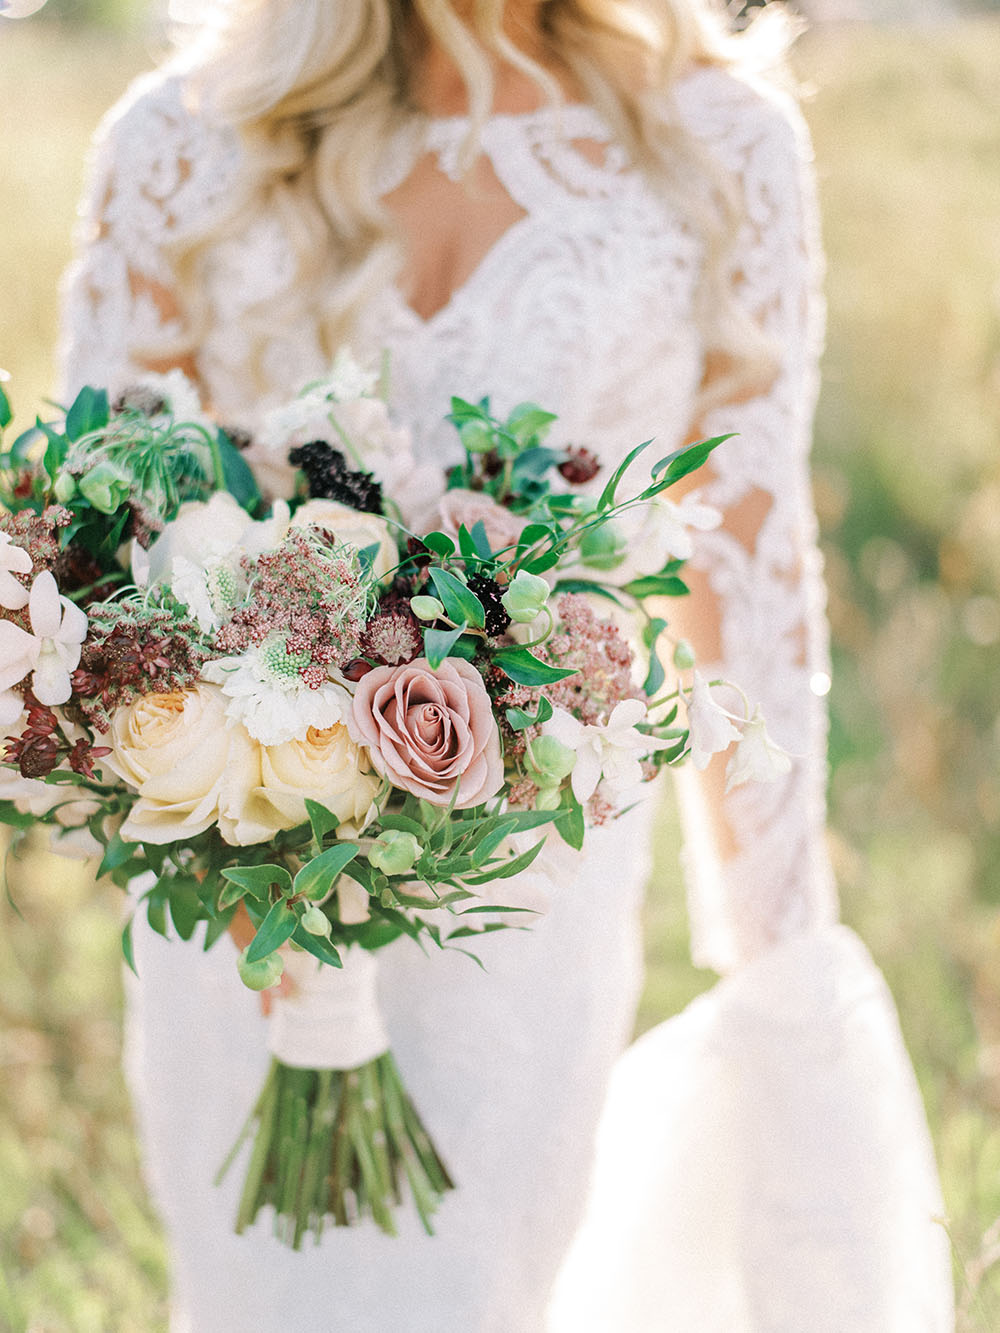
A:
903	98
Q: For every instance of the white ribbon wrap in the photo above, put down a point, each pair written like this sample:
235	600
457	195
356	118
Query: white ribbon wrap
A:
331	1019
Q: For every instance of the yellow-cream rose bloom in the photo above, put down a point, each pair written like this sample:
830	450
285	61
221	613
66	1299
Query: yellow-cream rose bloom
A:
353	527
191	767
325	765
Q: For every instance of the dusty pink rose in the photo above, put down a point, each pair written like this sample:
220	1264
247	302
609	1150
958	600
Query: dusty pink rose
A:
469	507
426	730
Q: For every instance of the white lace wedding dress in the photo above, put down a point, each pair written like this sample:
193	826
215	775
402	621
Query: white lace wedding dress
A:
764	1166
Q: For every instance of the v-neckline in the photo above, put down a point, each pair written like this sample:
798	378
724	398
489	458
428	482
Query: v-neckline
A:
436	134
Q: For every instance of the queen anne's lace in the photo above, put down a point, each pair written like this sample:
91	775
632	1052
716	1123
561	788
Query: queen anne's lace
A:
586	305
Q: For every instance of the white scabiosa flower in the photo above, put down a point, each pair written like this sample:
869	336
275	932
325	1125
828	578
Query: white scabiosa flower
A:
757	757
267	695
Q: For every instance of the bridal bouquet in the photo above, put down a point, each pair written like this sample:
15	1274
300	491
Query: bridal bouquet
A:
327	719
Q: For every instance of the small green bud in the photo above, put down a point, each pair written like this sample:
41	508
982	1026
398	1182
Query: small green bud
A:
65	487
395	852
548	798
426	608
477	437
603	547
525	596
105	487
265	972
548	761
316	921
684	657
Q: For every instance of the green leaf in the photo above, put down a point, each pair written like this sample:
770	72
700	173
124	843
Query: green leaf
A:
156	910
440	543
323	821
547	560
273	931
127	947
587	586
460	603
438	643
12	816
217	927
402	825
689	459
480	541
255	880
528	419
519	719
6	414
506	869
318	945
88	412
525	669
657	585
608	494
185	905
656	675
318	876
462	411
240	482
533	464
570	822
117	853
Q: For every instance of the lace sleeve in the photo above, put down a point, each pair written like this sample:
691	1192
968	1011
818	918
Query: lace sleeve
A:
154	171
755	858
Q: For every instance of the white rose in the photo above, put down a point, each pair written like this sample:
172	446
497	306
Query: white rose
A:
355	528
326	766
190	769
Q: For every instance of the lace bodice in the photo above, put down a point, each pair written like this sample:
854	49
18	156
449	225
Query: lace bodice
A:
585	304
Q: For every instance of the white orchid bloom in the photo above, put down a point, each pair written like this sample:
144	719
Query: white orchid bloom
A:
348	378
612	751
52	649
14	559
757	758
710	727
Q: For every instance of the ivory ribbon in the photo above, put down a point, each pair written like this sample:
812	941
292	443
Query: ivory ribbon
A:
331	1019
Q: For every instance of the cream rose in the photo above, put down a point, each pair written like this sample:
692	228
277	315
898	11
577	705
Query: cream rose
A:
427	730
190	768
326	766
470	507
353	527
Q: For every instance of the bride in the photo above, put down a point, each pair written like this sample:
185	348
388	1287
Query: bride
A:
595	204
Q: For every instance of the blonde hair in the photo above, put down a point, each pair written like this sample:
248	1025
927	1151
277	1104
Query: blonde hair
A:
315	87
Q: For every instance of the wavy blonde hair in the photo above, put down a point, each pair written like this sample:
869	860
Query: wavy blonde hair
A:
315	87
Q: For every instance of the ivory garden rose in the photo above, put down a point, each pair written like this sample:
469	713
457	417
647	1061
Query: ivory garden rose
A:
190	768
427	730
325	765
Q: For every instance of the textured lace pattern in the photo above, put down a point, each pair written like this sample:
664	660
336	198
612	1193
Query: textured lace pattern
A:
586	305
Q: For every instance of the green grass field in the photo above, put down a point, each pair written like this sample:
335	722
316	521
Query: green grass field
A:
907	132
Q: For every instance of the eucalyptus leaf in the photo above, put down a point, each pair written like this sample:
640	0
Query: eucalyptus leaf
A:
257	880
440	543
525	669
438	644
273	931
607	497
507	869
460	603
318	945
589	587
322	820
185	905
657	585
689	459
318	876
88	412
128	949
